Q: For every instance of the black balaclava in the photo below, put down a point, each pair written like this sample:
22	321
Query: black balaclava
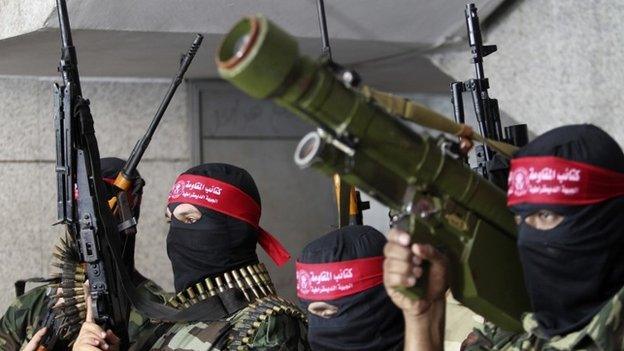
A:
367	320
110	167
216	243
573	269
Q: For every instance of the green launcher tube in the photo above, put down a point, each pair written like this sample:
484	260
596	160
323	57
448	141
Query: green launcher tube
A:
441	200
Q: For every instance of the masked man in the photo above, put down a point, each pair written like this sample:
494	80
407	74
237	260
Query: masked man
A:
23	317
339	283
566	189
215	211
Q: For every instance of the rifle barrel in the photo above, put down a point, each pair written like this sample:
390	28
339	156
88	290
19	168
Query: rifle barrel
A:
475	39
143	143
325	49
69	61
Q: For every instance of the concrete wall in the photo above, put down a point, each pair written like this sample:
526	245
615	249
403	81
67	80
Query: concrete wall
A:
297	206
558	62
121	110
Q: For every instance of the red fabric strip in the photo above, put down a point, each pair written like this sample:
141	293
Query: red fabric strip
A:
227	199
554	180
330	281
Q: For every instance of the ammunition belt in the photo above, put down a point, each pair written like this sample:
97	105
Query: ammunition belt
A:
72	310
244	332
253	281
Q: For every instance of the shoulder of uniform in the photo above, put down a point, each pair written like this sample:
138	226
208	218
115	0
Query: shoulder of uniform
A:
31	298
261	318
606	329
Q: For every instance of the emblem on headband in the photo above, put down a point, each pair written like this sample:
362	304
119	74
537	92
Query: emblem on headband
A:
176	191
518	181
303	281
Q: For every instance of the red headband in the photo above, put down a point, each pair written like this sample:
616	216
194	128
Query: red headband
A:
229	200
554	180
330	281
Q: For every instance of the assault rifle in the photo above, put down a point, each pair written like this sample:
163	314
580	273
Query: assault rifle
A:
81	199
81	196
489	163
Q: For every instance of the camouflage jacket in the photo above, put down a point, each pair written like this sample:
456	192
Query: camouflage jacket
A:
21	319
245	330
605	332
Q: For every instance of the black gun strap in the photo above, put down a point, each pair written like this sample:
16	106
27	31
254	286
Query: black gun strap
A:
20	285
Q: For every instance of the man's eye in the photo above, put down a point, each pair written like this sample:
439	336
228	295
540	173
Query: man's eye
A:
546	215
191	220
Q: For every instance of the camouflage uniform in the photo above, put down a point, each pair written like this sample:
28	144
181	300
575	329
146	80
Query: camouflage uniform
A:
605	332
266	322
21	320
279	332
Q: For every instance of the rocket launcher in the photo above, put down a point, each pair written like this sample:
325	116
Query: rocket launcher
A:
440	199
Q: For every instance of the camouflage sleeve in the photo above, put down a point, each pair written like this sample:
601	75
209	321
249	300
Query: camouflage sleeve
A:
281	333
138	323
19	322
489	337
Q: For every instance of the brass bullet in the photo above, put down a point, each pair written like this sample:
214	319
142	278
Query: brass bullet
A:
210	286
240	285
228	280
220	285
202	291
250	284
191	294
256	280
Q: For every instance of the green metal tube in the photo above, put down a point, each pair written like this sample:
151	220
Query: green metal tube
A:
447	203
